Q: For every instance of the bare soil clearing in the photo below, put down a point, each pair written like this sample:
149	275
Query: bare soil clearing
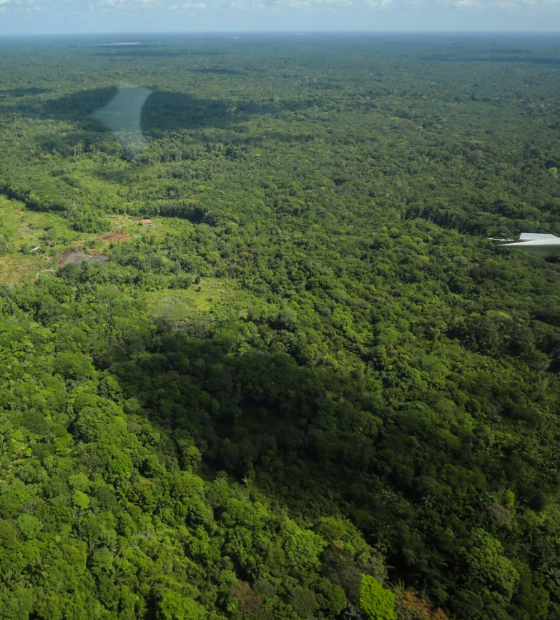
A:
115	237
77	257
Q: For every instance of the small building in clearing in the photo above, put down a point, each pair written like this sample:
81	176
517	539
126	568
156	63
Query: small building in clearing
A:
146	222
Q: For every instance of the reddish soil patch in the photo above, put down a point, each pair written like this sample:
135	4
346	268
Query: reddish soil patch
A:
116	237
18	209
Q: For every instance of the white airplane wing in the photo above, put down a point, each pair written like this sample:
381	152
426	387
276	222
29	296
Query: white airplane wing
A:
538	237
538	244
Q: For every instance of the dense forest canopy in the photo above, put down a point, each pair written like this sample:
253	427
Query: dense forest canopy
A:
261	360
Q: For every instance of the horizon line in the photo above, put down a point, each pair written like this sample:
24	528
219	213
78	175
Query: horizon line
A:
276	32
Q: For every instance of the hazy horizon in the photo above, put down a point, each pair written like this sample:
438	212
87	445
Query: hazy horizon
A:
98	17
147	33
131	38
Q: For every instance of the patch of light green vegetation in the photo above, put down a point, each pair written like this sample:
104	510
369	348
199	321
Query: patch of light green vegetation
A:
30	242
210	299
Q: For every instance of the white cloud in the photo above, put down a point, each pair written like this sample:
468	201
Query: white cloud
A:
463	5
518	4
193	7
23	6
165	5
305	4
188	7
478	5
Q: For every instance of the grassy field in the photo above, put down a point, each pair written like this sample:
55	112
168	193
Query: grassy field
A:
31	242
209	299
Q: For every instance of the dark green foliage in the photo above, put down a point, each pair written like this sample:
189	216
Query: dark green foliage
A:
313	374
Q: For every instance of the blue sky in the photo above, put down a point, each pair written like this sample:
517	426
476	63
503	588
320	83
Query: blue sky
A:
118	16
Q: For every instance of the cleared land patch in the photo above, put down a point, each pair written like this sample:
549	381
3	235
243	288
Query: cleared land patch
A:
115	237
78	257
207	299
201	304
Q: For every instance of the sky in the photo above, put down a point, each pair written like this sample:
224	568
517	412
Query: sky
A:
26	17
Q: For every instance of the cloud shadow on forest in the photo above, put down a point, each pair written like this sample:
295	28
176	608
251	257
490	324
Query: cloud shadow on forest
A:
22	92
163	110
247	410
